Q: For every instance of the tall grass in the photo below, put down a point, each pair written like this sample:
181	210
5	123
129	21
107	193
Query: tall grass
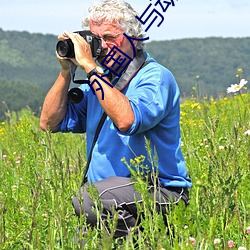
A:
40	172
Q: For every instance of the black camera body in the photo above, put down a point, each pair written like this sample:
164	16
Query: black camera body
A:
65	48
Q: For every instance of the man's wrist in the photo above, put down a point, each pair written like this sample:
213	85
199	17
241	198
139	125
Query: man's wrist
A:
89	68
97	70
65	73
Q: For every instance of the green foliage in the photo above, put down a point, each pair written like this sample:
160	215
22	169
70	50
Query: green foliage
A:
14	95
28	68
28	58
40	172
208	62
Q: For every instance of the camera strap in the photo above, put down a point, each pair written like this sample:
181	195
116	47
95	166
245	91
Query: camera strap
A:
138	63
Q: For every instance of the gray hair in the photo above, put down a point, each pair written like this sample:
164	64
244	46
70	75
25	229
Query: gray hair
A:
116	12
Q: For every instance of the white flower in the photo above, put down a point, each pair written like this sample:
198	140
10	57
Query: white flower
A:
247	133
22	210
217	241
192	240
248	230
242	248
237	87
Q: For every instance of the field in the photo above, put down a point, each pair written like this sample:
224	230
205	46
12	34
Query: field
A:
40	172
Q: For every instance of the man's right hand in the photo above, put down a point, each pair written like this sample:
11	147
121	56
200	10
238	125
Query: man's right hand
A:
66	63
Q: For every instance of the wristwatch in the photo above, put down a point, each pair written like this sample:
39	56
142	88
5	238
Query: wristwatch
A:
97	70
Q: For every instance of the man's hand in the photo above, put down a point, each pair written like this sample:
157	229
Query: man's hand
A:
83	54
66	63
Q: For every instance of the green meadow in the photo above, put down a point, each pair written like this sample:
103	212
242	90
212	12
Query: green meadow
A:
40	172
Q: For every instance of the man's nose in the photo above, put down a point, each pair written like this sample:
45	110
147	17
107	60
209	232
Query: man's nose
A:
104	44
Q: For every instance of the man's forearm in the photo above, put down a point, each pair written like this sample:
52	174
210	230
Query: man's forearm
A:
115	104
55	103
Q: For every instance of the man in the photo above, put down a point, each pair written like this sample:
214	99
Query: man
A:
146	107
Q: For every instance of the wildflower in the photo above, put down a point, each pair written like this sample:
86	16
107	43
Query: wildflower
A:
216	241
14	188
221	147
132	162
242	248
192	240
237	87
230	244
247	133
45	216
198	182
240	70
138	160
248	230
195	106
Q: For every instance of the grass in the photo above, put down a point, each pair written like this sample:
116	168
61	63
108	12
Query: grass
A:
40	172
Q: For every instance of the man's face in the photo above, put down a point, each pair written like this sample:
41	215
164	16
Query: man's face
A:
111	36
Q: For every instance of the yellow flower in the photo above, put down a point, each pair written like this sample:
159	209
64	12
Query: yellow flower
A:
240	70
195	105
132	162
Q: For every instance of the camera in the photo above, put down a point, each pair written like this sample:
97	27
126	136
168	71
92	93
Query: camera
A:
65	48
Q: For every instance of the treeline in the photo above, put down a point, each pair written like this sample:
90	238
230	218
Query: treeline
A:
204	67
210	64
16	95
28	68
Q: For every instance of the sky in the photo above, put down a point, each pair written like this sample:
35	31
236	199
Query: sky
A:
187	19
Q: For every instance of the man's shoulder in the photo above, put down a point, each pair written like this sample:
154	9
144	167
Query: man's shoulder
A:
154	63
155	69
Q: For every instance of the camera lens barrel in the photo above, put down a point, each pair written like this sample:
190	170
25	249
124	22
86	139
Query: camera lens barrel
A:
75	95
65	48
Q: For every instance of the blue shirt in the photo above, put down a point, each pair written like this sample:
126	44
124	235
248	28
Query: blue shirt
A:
154	97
